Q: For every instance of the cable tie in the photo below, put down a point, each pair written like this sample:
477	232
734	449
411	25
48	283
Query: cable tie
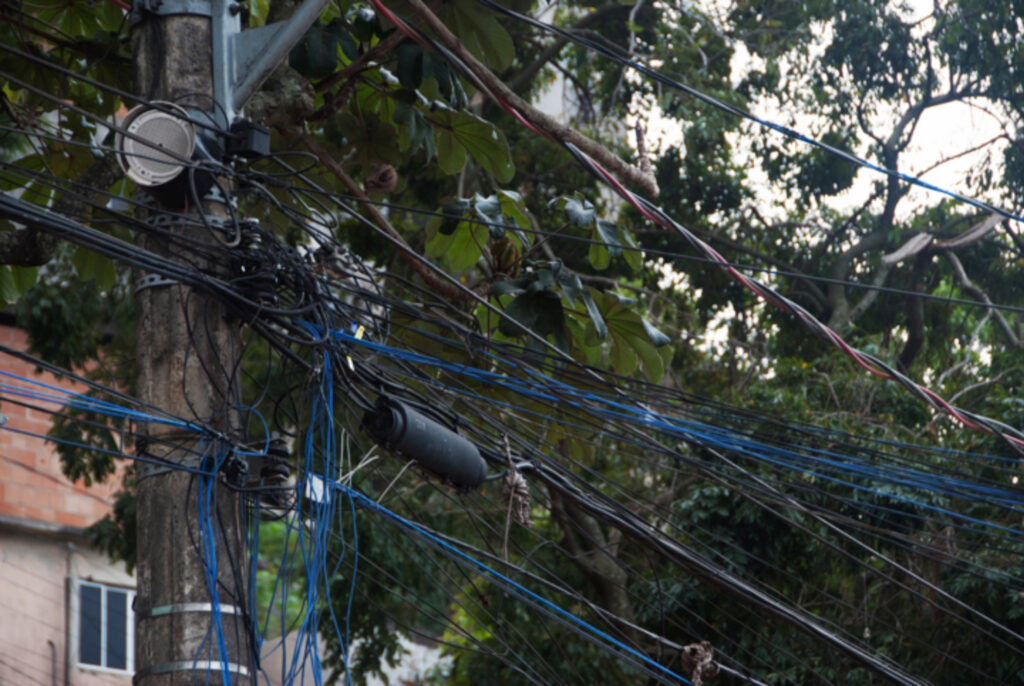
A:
190	666
181	608
153	281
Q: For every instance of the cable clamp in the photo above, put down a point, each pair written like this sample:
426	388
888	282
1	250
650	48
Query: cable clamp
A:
213	666
144	470
180	608
153	281
216	195
168	219
164	8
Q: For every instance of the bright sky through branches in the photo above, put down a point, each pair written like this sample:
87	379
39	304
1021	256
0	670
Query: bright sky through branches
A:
950	143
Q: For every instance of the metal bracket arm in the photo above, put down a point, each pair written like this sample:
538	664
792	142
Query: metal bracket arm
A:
244	59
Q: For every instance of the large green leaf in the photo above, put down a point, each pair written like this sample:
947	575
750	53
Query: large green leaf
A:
454	211
514	209
541	312
25	277
633	339
607	233
579	212
467	245
451	154
416	131
8	287
599	256
481	33
410	65
316	55
631	252
595	315
440	243
485	143
488	210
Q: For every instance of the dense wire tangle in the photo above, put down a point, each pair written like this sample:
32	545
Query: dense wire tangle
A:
728	447
660	78
871	364
317	336
305	322
653	252
656	215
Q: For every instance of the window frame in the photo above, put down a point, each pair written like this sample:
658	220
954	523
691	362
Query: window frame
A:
75	626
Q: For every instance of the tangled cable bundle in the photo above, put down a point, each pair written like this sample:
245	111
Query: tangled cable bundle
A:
328	334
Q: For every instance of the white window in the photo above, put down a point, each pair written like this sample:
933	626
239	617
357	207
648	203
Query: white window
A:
103	627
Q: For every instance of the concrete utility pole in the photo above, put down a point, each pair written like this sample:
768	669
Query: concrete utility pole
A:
187	348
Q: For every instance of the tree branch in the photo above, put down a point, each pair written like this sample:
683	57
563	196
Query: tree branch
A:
915	316
554	129
869	298
521	80
426	271
32	247
978	294
360	63
595	555
841	314
812	288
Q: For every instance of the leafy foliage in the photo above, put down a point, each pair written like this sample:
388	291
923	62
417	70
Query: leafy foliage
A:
509	217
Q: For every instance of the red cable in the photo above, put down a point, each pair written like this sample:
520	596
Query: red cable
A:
763	292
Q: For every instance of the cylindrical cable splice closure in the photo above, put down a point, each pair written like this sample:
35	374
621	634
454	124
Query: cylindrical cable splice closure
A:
398	427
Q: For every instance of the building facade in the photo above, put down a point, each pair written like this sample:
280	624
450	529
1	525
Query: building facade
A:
65	610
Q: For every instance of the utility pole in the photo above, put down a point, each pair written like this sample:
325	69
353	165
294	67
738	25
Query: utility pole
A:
186	353
192	603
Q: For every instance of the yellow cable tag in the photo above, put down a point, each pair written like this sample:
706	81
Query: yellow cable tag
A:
359	334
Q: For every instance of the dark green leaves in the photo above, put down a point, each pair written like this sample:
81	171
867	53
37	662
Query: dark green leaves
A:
634	341
609	239
316	55
410	65
62	321
537	288
417	133
430	74
578	212
364	23
657	337
458	133
480	31
463	233
90	265
601	254
540	311
14	281
631	343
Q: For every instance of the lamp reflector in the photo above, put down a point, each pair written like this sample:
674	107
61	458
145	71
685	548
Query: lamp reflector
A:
158	146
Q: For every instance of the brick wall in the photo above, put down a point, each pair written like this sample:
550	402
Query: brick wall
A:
32	485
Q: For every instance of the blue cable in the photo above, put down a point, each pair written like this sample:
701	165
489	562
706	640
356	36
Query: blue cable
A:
85	402
739	112
490	571
706	434
207	507
105	451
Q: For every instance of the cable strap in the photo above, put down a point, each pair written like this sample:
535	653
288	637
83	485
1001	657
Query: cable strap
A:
190	666
181	608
